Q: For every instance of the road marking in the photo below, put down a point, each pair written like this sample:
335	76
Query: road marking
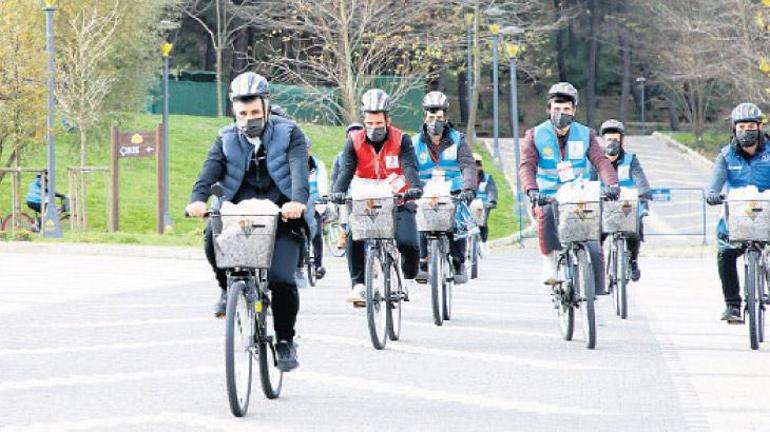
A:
152	305
468	355
189	420
123	323
509	316
476	401
107	347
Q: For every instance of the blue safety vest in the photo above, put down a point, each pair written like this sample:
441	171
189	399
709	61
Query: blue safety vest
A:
313	178
576	153
481	192
447	160
742	172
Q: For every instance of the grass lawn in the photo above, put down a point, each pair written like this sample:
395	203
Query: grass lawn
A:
710	146
190	138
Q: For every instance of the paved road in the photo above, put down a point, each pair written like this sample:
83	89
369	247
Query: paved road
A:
127	344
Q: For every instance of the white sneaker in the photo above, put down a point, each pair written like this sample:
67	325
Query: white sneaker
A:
410	290
548	275
357	296
483	250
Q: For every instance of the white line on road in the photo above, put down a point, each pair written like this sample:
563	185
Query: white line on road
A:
123	323
107	347
505	404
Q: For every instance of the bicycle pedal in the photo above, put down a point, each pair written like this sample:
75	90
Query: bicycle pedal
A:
735	322
359	304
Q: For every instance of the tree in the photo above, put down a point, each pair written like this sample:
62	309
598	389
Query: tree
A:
223	21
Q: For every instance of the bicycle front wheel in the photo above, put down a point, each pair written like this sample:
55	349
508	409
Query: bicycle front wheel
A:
310	264
761	301
565	307
239	341
23	221
376	298
270	376
622	278
473	246
752	303
394	304
436	272
332	234
448	286
584	280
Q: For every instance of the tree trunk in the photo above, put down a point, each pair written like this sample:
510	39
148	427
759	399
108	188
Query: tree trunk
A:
625	88
673	114
561	52
218	50
593	49
470	131
462	96
83	141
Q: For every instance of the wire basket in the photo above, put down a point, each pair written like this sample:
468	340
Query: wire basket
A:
479	212
579	222
620	216
247	241
435	214
748	220
372	218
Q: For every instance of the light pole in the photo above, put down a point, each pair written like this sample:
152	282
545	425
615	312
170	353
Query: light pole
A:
469	61
51	226
641	81
513	49
165	49
493	13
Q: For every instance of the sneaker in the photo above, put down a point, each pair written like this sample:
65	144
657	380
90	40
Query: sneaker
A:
422	274
357	296
287	356
636	274
548	275
483	250
410	289
461	276
732	315
320	272
299	276
221	305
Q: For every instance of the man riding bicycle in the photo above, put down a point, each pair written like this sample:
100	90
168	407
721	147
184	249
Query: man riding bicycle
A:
554	153
745	161
319	186
382	152
440	147
486	191
630	174
261	156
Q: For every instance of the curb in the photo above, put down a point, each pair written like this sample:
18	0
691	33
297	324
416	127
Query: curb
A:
691	154
93	249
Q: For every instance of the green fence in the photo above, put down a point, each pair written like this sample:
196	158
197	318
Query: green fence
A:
307	104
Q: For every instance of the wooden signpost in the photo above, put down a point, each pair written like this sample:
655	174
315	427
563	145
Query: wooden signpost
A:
135	145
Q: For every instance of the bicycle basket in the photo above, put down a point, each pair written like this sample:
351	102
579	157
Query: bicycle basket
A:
435	214
246	241
479	212
748	220
579	221
620	216
464	223
372	218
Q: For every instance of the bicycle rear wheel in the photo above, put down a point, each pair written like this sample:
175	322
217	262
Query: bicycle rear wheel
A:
394	304
436	277
239	341
761	301
752	303
584	279
473	247
24	221
622	278
270	376
332	235
377	293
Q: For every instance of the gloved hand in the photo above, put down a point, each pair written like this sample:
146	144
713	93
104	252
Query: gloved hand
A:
534	197
647	196
714	198
413	194
337	197
467	195
612	192
490	205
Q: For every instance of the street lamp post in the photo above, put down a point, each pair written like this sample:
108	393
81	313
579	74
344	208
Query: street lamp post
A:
494	13
641	81
513	49
469	61
51	226
165	49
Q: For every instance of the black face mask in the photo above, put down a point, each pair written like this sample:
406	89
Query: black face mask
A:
561	120
612	148
376	134
435	127
746	138
252	127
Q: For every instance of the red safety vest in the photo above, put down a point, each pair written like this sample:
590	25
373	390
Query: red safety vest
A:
373	165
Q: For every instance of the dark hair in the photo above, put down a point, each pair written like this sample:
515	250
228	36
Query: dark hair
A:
560	99
246	99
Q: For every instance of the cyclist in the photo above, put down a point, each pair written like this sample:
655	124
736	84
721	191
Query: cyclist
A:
349	131
630	174
744	161
34	198
487	192
554	153
261	156
440	147
319	186
379	151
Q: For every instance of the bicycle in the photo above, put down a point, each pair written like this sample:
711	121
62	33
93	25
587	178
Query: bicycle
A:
246	256
435	218
619	220
578	223
473	251
748	227
373	221
332	230
310	262
31	223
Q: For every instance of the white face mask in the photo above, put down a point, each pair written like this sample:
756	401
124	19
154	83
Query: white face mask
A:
256	142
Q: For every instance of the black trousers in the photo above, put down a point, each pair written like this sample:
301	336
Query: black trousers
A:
634	242
484	230
727	263
317	244
406	240
280	277
457	249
